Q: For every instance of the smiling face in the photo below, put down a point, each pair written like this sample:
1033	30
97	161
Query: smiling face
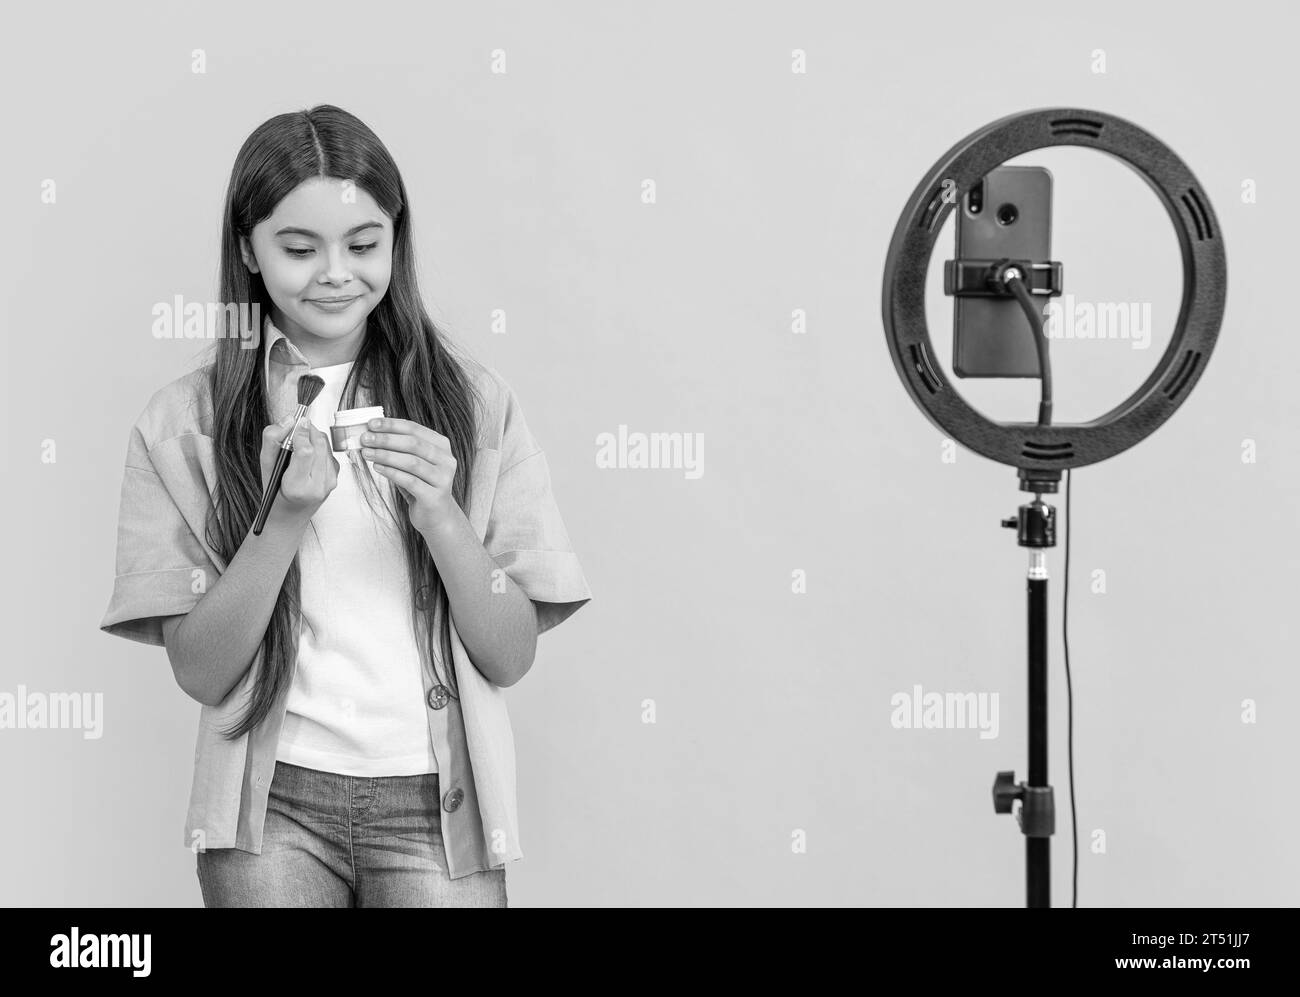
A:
326	257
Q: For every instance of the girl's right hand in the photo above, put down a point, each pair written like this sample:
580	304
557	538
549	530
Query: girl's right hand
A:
312	472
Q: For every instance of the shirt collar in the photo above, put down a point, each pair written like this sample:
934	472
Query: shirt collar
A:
279	346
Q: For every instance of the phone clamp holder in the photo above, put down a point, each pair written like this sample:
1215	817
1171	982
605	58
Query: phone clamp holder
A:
983	278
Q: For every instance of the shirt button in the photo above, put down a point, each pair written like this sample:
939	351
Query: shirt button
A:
439	696
452	801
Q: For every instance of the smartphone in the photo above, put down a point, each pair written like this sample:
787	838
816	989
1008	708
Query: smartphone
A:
1007	214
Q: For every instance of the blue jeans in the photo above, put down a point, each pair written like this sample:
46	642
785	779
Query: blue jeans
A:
334	840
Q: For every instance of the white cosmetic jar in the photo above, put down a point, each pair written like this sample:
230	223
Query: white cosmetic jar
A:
350	423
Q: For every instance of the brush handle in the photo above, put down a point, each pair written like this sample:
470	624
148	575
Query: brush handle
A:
272	489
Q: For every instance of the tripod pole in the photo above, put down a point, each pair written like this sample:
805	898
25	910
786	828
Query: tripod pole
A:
1038	849
1036	526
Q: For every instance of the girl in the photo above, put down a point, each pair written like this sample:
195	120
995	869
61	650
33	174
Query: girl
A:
354	747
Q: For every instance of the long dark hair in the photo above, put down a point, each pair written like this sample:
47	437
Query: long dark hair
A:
405	364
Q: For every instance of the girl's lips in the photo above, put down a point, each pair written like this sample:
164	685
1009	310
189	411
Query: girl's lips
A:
333	304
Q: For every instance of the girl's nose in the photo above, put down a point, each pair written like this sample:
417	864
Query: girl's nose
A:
336	267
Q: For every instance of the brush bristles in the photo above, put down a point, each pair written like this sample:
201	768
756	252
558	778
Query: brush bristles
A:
309	386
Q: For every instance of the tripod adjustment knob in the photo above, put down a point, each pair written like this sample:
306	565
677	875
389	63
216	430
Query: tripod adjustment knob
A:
1006	792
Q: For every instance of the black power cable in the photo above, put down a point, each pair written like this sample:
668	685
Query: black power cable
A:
1013	280
1069	691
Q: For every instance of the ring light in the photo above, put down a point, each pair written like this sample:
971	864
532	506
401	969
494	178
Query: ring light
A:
1027	446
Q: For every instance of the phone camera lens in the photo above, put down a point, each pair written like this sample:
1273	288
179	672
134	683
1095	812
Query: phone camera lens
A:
1007	214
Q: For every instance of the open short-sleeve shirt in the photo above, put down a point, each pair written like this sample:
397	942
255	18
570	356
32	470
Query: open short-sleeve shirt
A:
165	565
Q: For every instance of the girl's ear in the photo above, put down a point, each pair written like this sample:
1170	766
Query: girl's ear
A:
246	251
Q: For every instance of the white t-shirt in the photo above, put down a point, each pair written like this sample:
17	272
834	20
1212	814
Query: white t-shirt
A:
356	706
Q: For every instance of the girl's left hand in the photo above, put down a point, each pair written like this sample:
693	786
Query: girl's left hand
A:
419	462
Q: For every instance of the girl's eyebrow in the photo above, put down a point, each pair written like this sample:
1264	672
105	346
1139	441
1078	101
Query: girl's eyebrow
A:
291	230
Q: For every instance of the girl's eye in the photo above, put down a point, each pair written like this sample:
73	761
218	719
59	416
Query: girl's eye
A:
299	252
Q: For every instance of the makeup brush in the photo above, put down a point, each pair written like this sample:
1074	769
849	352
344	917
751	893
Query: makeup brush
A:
309	386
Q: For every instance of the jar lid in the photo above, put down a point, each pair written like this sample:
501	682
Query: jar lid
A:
357	416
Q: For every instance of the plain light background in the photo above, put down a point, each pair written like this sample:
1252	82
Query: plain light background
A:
776	192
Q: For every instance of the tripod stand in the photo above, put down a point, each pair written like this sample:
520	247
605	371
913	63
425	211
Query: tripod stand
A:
1044	451
1035	527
